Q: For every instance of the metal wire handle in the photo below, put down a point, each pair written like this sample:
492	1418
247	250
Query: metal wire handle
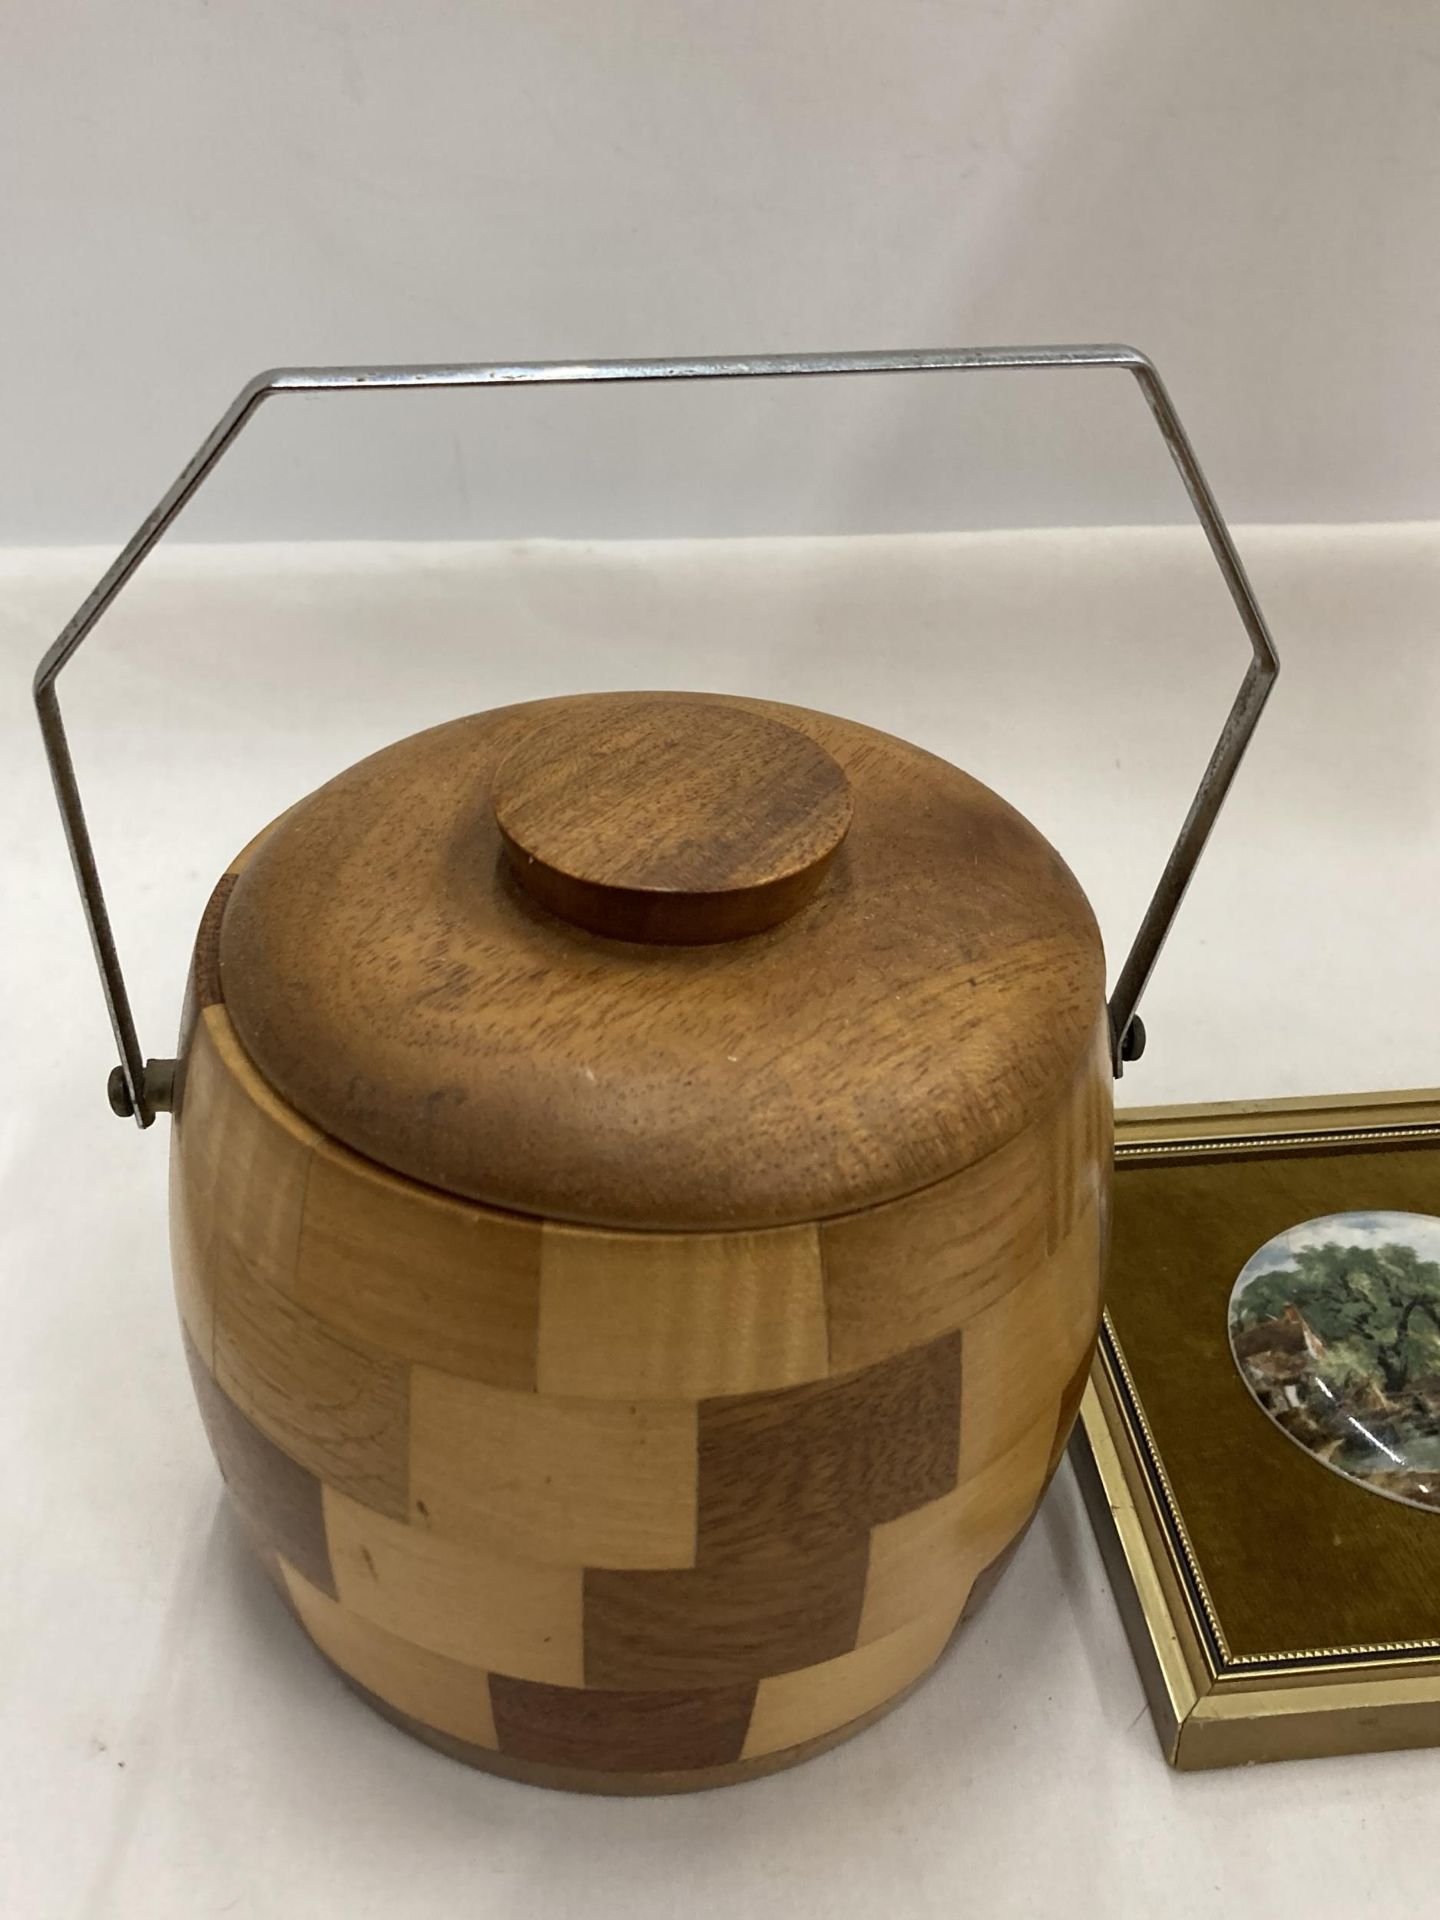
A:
141	1088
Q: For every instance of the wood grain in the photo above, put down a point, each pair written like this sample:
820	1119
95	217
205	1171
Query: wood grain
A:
705	1626
899	1275
929	1558
680	1316
615	1731
203	984
794	1707
579	1483
674	821
1021	1353
239	1165
279	1502
930	1003
193	1270
1079	1142
205	967
240	1170
339	1411
444	1693
239	1173
417	1274
805	1468
457	1597
634	1781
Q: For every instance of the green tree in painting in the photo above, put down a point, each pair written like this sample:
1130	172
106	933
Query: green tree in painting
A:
1377	1308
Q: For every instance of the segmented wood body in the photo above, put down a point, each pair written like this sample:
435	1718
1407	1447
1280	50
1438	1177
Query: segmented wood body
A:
625	1511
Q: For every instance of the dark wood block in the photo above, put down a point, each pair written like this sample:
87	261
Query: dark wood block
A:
705	1626
801	1469
617	1731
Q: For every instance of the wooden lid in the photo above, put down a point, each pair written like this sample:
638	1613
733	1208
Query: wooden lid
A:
683	821
925	993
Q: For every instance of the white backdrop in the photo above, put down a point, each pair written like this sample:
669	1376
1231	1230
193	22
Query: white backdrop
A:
189	192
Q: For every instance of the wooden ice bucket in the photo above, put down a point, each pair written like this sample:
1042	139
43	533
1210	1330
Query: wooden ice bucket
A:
639	1185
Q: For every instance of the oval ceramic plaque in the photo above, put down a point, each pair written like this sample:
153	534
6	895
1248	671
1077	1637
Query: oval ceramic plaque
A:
1335	1327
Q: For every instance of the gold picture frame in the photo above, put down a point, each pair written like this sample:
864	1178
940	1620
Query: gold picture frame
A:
1275	1610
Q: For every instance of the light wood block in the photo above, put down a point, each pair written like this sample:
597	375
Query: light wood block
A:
414	1273
1022	1353
680	1316
458	1598
598	1483
242	1168
240	1162
899	1275
793	1707
441	1692
1079	1143
266	1143
189	1233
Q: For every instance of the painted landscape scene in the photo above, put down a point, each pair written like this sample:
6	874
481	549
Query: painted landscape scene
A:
1335	1326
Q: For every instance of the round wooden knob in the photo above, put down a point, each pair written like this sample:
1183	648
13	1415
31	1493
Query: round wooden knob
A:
680	821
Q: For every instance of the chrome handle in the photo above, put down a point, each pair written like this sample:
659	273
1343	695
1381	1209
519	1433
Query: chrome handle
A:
141	1088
